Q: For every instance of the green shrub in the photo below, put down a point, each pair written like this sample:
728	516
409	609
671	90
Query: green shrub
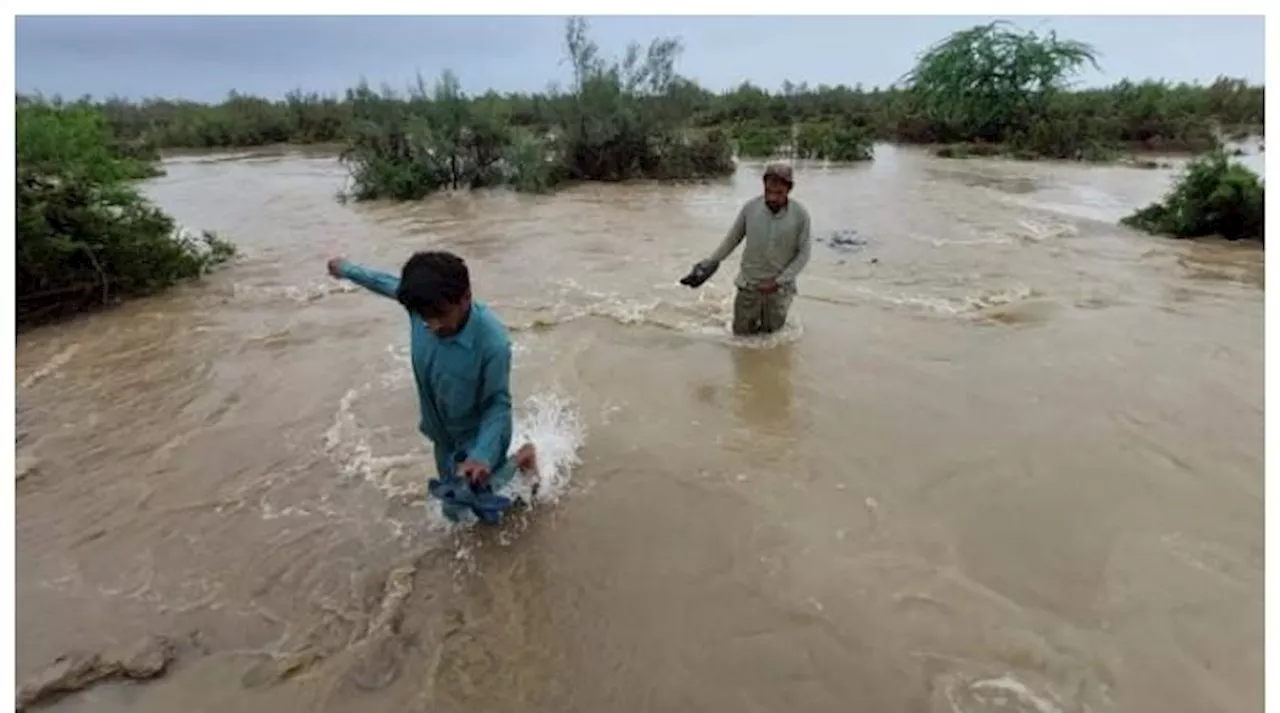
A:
1214	196
834	141
759	140
623	120
85	237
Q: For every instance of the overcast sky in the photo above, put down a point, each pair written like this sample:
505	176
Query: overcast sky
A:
205	57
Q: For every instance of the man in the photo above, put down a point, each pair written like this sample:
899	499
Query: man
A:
461	357
776	229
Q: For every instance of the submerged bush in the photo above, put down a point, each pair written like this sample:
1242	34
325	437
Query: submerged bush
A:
1215	196
407	150
689	156
968	150
530	164
626	119
833	141
623	120
85	236
758	140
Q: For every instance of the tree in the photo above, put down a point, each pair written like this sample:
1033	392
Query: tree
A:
991	82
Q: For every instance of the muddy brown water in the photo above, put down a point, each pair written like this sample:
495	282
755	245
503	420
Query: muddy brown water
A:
1009	457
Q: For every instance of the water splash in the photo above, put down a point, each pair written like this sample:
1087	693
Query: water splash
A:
552	423
548	420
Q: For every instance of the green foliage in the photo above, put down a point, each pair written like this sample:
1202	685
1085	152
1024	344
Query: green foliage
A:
1151	115
531	165
623	120
988	89
756	139
239	121
404	150
76	138
1215	196
84	234
991	82
833	141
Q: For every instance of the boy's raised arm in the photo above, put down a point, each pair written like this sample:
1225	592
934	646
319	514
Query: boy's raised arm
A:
373	280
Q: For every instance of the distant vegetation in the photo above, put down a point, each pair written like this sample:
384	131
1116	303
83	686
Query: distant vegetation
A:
85	237
990	84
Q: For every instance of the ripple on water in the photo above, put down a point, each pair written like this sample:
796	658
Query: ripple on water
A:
959	693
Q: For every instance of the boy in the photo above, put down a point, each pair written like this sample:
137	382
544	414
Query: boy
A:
461	357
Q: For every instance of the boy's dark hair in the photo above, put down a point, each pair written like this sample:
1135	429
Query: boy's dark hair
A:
433	281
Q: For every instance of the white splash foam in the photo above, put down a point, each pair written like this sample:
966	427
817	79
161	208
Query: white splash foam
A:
551	422
1038	232
548	420
301	294
790	333
995	298
1019	690
966	306
1003	692
553	425
995	240
347	444
572	301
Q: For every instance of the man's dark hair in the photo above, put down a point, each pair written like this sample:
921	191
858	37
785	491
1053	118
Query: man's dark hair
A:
433	281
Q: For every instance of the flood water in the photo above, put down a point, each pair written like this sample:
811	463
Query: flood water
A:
1008	457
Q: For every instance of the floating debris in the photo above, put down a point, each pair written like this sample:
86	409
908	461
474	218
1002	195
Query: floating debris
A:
844	240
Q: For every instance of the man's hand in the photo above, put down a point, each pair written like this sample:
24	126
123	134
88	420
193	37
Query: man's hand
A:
475	472
768	286
335	265
700	273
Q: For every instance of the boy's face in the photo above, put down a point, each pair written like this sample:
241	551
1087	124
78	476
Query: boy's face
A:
451	319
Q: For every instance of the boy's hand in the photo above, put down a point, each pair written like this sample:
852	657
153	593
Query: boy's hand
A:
335	265
475	472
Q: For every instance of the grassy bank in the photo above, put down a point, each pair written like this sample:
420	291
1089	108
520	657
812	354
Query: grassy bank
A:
85	236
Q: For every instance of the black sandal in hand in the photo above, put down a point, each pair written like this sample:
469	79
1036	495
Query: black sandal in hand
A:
700	273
